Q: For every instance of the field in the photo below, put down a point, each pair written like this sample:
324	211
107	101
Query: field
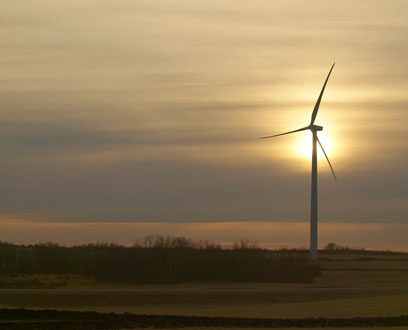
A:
351	285
348	328
351	328
51	319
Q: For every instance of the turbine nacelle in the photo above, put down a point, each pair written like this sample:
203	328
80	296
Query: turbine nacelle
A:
316	128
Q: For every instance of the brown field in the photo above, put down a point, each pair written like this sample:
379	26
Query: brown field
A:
365	262
217	328
367	303
357	291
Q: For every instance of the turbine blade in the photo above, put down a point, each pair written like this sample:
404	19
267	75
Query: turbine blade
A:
297	130
331	167
316	108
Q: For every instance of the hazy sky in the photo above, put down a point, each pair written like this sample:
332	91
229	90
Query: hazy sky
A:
150	111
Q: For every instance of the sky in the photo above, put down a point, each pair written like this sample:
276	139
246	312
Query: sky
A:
148	114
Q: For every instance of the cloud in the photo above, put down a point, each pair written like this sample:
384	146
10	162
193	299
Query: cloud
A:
269	235
152	112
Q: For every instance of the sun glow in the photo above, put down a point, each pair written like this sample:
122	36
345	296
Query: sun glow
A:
304	146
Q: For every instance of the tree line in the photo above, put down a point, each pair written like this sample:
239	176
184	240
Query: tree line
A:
159	259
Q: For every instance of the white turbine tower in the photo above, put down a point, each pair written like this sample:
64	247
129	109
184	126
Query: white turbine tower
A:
313	207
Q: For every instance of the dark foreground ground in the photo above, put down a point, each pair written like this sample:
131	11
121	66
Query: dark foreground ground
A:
51	319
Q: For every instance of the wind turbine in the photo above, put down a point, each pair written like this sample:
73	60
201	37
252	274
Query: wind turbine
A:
313	207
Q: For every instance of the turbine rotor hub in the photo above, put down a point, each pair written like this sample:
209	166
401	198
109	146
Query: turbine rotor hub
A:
317	128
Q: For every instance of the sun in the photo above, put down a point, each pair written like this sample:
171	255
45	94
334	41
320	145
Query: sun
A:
304	146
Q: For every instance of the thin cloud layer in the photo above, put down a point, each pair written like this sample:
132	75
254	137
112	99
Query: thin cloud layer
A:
124	111
268	234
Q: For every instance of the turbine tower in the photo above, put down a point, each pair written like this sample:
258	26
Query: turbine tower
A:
313	205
